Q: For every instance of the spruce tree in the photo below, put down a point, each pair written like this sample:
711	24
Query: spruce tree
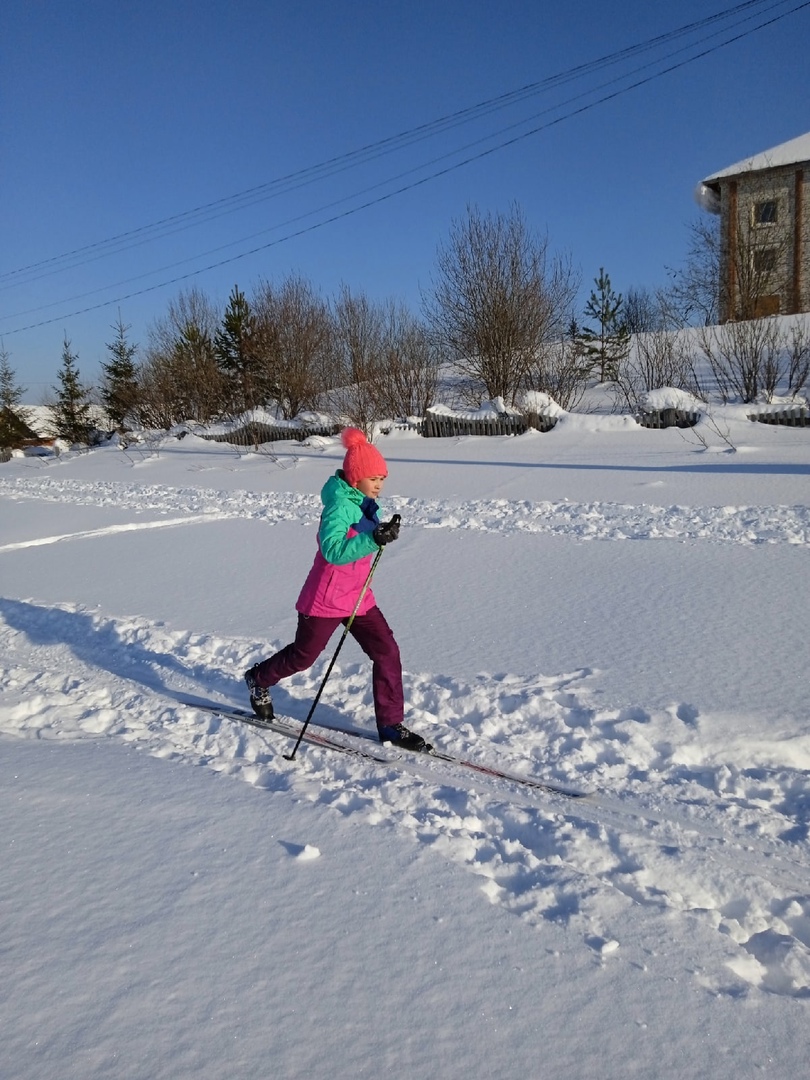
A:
234	348
14	419
197	378
119	383
71	412
608	343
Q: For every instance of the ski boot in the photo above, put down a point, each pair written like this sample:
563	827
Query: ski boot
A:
260	699
399	735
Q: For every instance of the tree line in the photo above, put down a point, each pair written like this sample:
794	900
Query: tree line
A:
499	312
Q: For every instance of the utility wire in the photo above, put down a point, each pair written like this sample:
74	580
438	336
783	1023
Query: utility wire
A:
294	181
420	182
357	194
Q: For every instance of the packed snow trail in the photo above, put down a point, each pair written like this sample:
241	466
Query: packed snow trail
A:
695	829
345	740
746	525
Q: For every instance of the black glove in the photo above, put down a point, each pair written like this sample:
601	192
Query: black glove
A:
387	531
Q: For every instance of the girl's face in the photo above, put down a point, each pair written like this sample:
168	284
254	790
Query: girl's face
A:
370	486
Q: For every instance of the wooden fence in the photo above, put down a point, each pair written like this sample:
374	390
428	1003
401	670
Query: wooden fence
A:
666	418
443	425
257	434
792	415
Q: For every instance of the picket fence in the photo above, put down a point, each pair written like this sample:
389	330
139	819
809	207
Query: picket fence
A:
433	426
791	415
257	434
667	418
439	425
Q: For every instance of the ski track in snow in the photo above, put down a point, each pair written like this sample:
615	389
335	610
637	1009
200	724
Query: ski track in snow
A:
719	838
747	525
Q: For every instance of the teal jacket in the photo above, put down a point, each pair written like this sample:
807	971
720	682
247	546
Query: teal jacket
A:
345	550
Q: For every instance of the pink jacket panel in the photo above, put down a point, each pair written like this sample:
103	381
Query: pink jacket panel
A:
331	591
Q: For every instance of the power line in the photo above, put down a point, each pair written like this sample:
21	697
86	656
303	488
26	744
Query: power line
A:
294	181
426	179
370	188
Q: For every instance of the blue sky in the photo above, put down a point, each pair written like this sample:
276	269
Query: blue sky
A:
118	114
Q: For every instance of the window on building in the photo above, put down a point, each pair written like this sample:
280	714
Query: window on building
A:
766	213
764	260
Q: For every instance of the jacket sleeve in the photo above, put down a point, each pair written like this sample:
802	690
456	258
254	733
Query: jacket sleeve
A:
337	546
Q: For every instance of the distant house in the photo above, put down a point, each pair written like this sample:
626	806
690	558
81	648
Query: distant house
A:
764	208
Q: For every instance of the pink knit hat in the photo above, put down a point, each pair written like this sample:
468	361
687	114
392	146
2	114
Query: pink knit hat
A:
362	459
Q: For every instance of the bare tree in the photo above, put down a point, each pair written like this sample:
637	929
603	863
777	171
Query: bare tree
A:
694	294
656	359
183	384
754	358
409	373
560	371
293	337
645	311
191	307
179	379
162	401
735	269
798	350
358	352
498	296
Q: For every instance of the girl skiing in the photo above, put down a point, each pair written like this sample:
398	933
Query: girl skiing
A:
349	535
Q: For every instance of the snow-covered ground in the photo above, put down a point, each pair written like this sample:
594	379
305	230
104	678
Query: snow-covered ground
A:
620	610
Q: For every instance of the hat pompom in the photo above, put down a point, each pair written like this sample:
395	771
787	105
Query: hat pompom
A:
362	459
352	436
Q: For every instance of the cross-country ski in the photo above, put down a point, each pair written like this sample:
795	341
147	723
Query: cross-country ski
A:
329	738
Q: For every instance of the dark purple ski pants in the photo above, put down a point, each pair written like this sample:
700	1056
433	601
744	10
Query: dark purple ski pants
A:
374	636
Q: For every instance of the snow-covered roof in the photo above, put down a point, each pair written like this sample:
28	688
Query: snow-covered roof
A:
789	153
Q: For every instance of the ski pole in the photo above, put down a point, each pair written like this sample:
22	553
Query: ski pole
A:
350	620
